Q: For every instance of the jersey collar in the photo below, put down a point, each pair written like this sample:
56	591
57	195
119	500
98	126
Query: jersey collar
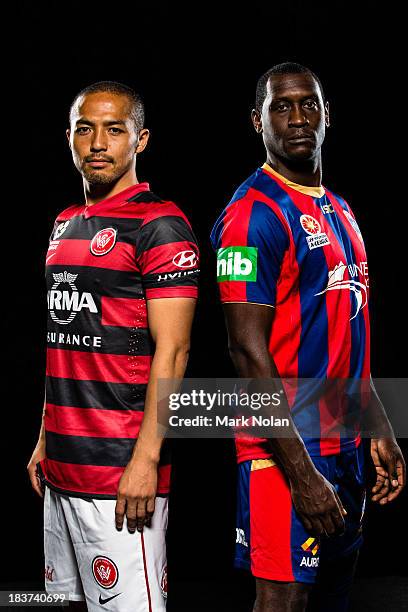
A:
315	192
115	200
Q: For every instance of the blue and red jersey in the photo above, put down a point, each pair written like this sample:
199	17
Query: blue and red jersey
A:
299	250
104	263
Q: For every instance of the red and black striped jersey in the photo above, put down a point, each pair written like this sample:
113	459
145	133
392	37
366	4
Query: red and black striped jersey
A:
103	263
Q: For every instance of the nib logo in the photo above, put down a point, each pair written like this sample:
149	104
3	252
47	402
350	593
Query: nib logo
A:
237	264
337	282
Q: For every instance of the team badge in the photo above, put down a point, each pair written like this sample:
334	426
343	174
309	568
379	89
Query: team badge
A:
103	241
163	582
105	572
316	237
49	573
353	224
185	259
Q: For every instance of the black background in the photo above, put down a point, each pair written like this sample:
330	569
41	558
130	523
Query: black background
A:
196	66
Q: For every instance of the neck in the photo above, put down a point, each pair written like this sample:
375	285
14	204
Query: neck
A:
97	193
308	173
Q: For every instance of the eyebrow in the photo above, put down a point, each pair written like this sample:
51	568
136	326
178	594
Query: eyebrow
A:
107	123
288	99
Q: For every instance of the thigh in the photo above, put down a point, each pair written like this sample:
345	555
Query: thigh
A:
271	540
122	569
61	569
281	596
347	473
332	590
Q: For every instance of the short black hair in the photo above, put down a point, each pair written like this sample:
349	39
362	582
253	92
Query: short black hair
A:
285	68
138	112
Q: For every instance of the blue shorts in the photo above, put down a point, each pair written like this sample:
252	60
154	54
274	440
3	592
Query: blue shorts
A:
271	540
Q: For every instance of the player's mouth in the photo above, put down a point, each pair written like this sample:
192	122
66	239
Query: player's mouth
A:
302	138
96	162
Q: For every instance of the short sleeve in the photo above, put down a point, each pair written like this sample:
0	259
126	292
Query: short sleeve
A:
250	242
168	258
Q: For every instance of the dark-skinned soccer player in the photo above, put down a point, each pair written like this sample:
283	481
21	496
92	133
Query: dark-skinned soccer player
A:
293	279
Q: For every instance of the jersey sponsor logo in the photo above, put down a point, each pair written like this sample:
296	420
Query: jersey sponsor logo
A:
103	241
49	573
105	572
174	275
353	224
103	601
163	582
316	237
69	301
311	545
309	562
185	259
60	229
237	264
240	537
337	282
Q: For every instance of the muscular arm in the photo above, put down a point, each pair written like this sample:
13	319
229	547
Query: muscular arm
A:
170	321
314	497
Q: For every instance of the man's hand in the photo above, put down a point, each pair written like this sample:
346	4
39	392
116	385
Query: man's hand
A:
136	494
318	504
390	467
38	455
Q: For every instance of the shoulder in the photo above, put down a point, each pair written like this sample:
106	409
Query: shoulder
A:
249	216
340	200
69	212
149	207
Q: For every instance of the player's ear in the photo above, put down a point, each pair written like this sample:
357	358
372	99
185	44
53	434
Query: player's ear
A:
142	140
68	134
257	120
326	114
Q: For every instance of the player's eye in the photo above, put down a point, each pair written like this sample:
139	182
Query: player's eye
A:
280	107
312	104
115	130
82	130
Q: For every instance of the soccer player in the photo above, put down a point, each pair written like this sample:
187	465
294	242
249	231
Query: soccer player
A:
293	278
121	272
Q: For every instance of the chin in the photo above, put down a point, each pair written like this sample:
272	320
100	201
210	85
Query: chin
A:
301	154
98	178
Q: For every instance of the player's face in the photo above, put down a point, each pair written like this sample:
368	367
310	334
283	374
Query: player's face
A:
293	118
103	137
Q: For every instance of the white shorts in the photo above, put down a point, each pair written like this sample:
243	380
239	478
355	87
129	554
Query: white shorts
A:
88	557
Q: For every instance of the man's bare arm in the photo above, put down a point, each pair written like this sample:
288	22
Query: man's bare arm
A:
386	454
170	321
314	498
38	455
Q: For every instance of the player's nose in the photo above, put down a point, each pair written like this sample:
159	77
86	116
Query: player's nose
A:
99	141
297	117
